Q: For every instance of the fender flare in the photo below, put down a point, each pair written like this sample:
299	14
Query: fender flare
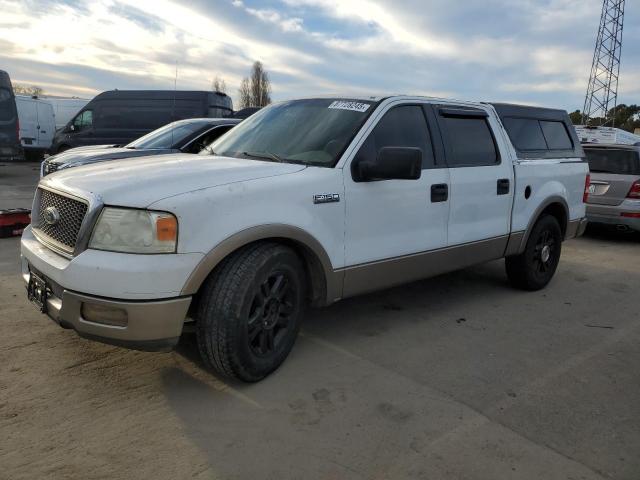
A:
517	247
326	283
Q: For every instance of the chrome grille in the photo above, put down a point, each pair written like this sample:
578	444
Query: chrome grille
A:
71	212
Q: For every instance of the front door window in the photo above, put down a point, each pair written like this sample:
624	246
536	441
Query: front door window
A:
84	120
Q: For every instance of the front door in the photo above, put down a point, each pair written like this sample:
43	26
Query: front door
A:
83	130
391	220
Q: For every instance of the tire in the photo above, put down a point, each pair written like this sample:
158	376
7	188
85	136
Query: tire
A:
250	311
534	268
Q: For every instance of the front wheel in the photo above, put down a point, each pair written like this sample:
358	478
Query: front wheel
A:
534	268
250	311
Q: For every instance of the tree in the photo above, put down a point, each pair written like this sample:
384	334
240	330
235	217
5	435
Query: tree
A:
244	92
626	117
219	85
255	90
31	90
576	117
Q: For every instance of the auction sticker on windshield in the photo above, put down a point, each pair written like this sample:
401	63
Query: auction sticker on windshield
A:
346	105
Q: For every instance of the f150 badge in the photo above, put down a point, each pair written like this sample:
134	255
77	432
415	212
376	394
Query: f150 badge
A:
326	198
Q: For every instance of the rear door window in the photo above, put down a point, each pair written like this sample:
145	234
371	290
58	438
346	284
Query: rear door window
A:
620	162
471	142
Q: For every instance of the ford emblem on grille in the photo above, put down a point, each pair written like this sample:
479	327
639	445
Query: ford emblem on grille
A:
51	215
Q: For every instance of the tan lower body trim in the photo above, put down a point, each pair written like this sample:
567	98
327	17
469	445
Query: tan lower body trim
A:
575	228
383	274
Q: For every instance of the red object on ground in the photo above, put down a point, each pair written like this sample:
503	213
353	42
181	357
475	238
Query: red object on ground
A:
13	221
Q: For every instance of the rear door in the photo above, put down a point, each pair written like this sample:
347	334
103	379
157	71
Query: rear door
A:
46	124
613	172
481	181
28	114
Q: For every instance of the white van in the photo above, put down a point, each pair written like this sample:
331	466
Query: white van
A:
65	108
37	125
606	135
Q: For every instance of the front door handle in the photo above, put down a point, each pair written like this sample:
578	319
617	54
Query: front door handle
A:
503	186
439	192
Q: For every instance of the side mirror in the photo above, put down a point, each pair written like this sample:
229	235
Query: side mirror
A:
72	128
392	163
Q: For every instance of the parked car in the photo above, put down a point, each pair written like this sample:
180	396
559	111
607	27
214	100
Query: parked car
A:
118	117
305	202
614	194
37	125
186	136
10	148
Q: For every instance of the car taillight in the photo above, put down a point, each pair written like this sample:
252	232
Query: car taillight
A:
18	129
587	184
635	190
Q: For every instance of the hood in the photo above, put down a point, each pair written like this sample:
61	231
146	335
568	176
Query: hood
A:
142	181
95	153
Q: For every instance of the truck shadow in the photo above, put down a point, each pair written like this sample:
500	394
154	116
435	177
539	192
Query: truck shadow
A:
412	363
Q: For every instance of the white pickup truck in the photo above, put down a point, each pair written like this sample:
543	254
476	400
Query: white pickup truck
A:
305	203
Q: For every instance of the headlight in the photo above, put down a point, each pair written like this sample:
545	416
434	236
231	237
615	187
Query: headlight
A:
135	231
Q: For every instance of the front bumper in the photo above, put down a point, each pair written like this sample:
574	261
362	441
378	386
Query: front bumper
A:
151	325
147	288
612	214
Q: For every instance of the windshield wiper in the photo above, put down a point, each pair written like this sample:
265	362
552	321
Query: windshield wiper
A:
265	155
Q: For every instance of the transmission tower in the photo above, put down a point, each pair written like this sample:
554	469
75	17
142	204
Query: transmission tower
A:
602	92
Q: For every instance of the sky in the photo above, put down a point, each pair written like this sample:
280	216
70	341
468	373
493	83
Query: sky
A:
526	51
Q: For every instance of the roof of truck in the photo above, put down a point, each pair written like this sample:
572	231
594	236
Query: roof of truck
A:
528	111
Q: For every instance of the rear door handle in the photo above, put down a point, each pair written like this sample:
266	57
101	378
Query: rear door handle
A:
439	192
503	186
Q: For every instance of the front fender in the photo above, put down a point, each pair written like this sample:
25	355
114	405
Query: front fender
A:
326	282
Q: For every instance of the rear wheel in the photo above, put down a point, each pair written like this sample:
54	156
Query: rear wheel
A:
535	267
250	311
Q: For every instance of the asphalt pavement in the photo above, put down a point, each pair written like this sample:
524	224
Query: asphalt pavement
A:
455	377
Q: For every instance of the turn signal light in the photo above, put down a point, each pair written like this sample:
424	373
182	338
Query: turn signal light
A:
167	228
635	190
587	184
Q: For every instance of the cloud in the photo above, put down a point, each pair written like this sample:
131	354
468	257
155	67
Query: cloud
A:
536	51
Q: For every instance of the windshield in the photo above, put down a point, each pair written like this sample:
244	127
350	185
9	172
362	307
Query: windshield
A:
621	162
311	132
166	137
